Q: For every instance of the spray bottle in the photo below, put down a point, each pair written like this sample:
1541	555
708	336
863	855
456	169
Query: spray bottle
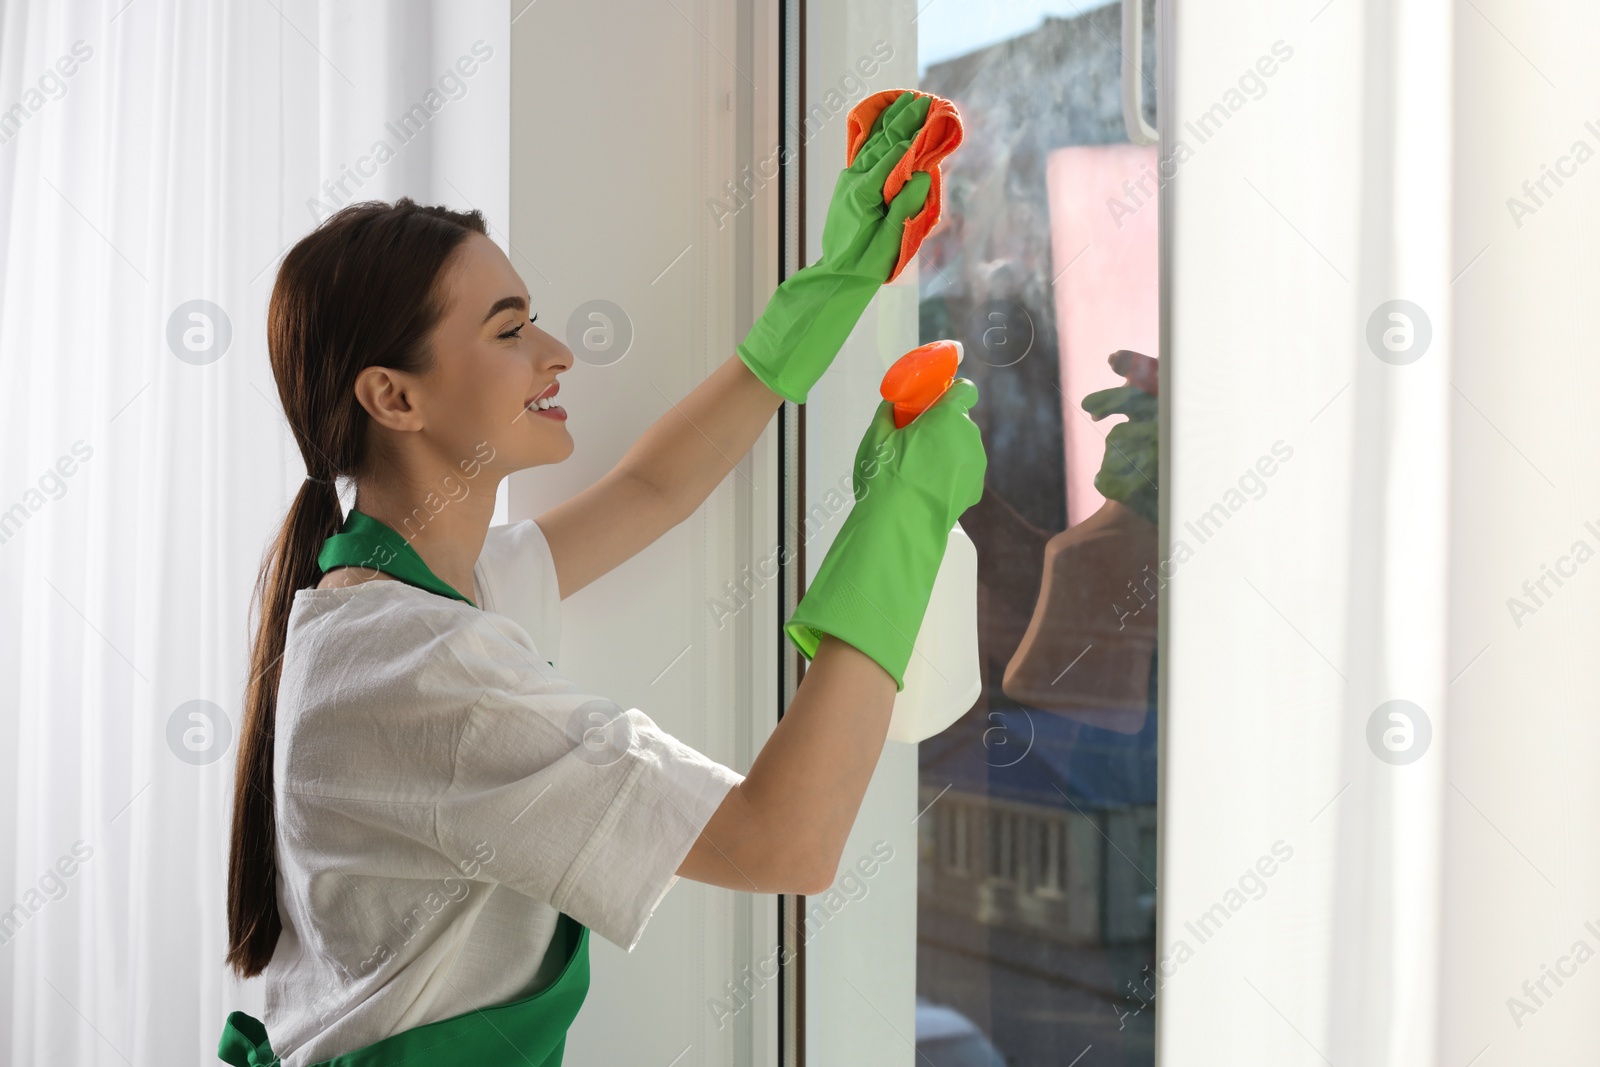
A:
942	681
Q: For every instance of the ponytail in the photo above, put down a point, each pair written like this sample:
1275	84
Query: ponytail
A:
253	921
361	290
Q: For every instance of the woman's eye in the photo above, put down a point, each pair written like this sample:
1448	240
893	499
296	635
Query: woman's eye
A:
518	331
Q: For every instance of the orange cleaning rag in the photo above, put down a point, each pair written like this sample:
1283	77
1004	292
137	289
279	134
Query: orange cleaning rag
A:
940	135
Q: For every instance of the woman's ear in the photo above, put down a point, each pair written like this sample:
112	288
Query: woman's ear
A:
386	395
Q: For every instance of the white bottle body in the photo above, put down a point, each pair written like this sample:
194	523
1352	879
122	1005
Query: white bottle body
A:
943	681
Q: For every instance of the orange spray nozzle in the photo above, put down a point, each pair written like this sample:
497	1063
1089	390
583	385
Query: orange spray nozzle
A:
919	377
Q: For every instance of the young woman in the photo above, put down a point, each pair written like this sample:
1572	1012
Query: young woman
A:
428	818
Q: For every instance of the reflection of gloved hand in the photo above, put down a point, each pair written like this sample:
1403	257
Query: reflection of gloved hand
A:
1128	472
910	486
813	311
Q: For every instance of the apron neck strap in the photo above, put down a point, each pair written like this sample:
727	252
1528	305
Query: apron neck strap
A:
367	542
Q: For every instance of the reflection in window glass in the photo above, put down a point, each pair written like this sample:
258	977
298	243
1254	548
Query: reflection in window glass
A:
1036	885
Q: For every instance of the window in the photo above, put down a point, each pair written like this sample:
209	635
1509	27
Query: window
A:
1034	928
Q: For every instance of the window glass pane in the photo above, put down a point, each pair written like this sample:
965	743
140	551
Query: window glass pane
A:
1036	884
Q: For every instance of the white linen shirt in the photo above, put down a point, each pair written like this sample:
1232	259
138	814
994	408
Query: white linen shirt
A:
443	794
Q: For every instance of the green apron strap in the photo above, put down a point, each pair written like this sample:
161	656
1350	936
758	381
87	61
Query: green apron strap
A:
368	542
531	1031
244	1042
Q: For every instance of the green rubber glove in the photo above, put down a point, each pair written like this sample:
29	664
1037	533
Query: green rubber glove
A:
910	486
814	309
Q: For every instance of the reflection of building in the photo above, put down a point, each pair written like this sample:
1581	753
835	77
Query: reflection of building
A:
1041	834
986	272
1036	869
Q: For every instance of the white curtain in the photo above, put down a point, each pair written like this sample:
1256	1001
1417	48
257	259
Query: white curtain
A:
1378	677
156	160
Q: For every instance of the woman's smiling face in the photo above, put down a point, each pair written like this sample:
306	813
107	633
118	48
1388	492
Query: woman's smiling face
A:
490	362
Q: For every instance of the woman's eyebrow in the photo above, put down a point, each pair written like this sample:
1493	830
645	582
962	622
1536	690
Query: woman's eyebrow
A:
503	303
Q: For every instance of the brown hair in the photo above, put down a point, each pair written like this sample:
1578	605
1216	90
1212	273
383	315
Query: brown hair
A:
362	290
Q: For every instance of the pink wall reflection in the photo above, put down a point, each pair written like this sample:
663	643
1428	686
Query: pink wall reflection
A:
1107	297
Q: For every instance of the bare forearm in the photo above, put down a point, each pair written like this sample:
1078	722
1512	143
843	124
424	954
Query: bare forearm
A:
783	829
687	452
809	779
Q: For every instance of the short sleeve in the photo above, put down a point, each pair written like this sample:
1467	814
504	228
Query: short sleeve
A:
569	799
516	576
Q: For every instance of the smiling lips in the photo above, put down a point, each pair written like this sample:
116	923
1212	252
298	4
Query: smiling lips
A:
544	403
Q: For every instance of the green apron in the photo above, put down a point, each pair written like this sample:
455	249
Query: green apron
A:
531	1032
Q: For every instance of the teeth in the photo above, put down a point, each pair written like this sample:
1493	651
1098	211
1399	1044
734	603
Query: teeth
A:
543	403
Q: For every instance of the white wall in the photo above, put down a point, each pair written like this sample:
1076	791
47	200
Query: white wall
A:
622	132
1522	878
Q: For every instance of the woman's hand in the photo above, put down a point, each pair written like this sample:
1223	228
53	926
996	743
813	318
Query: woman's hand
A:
911	485
861	235
813	310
